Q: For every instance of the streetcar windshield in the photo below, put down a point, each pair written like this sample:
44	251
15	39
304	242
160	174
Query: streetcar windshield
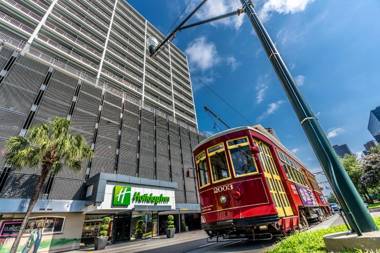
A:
241	157
218	162
202	169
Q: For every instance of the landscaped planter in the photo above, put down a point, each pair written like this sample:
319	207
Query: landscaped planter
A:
101	242
170	232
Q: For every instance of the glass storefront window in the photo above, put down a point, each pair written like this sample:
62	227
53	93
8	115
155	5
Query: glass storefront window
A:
48	224
142	225
202	169
218	162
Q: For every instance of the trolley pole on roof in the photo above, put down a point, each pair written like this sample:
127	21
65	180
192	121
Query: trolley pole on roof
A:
352	204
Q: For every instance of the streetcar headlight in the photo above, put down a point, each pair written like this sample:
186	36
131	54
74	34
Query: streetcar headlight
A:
223	199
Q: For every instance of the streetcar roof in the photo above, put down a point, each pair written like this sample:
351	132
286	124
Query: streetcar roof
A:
256	128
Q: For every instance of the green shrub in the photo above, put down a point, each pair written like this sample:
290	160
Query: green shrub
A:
104	227
103	231
139	229
170	223
106	220
310	242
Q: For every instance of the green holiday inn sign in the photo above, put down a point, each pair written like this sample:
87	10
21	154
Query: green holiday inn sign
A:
122	196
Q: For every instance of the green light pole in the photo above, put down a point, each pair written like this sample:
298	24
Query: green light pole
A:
353	206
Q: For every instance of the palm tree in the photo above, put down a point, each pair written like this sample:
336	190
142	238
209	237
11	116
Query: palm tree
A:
49	146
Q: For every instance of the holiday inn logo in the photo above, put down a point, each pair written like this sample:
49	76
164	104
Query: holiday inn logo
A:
121	195
125	195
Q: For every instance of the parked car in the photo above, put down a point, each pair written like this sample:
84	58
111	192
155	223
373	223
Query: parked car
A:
334	207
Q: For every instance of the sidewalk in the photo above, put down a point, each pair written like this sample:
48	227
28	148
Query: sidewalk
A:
326	224
148	244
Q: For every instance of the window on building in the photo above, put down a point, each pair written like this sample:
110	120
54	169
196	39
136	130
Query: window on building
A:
292	169
202	169
241	156
48	224
218	162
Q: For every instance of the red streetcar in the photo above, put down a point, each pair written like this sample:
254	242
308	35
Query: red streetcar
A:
251	186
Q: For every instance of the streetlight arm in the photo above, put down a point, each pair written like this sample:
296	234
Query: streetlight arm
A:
232	13
177	28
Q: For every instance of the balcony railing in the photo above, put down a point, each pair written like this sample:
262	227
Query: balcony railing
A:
97	11
157	81
159	92
69	53
15	23
5	38
23	10
124	71
183	98
73	40
121	81
179	113
90	29
85	14
184	107
159	102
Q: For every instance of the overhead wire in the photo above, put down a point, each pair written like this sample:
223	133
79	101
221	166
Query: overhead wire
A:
182	13
228	104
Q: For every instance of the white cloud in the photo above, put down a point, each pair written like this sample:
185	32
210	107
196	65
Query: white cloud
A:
213	8
300	80
199	81
335	132
232	62
295	150
282	7
261	87
202	54
272	108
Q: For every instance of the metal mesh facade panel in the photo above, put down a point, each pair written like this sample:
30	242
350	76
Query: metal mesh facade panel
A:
48	109
66	188
27	74
112	99
129	135
11	123
111	112
61	88
24	183
16	99
163	170
147	145
5	54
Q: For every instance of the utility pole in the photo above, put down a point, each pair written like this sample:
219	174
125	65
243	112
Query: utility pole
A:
353	206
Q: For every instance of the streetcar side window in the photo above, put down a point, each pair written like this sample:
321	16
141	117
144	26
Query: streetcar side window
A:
241	157
202	169
218	163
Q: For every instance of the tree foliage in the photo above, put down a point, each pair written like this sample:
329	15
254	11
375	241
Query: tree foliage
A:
371	170
353	168
49	146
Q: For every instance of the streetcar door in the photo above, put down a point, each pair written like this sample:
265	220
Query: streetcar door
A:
274	180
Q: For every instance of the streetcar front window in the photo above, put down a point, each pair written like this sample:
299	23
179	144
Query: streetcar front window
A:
218	162
241	157
202	169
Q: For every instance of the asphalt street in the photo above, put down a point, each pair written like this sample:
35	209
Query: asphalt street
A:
197	242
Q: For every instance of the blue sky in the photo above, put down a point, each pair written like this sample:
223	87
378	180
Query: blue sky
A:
331	48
